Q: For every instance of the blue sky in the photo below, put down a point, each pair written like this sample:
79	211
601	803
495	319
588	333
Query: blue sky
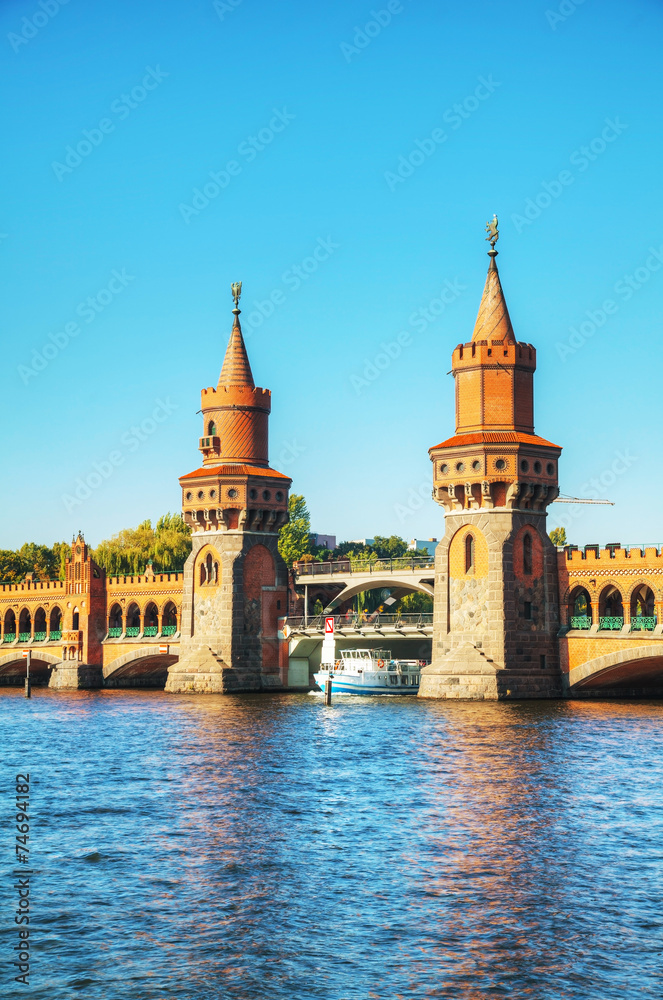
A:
356	162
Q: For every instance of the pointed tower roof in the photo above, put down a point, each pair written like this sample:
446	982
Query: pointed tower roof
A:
236	369
493	321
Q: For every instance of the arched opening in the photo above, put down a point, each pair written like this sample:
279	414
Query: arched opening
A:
580	609
133	620
24	626
9	630
643	609
169	619
215	573
75	619
211	428
469	553
527	554
151	620
72	653
115	622
40	625
55	624
203	573
611	609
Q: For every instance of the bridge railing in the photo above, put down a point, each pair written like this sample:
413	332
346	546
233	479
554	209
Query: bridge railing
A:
379	566
355	622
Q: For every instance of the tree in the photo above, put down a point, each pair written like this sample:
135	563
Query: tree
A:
294	540
558	536
389	548
129	551
414	603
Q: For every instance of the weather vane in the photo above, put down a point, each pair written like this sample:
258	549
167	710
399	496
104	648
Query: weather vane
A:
236	289
493	235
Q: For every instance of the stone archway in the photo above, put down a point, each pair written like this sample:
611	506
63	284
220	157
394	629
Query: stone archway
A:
143	667
639	666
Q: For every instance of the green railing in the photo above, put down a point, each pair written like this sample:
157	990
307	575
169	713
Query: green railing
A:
133	631
40	637
169	630
643	623
55	636
611	624
9	637
581	621
24	637
150	630
115	632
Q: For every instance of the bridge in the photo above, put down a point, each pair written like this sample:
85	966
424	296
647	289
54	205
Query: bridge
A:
348	577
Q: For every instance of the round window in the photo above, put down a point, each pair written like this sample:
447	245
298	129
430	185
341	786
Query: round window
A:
200	494
444	468
266	494
253	494
550	469
500	464
476	465
189	495
460	467
524	465
232	492
537	467
212	493
279	496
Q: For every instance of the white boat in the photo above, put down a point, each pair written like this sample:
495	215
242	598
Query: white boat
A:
370	671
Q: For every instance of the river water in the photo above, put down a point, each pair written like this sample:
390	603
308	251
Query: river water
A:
271	847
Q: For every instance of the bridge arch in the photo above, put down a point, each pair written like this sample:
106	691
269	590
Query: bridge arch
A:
377	583
639	665
13	667
142	667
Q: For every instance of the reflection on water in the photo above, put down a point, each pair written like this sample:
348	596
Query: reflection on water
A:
270	847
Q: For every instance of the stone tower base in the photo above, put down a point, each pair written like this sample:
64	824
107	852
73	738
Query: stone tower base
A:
467	674
202	671
68	676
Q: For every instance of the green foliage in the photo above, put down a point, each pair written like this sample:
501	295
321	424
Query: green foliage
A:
389	548
46	563
558	536
414	603
294	540
129	552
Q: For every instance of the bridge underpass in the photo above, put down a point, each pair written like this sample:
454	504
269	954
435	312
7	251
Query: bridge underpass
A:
145	667
13	668
409	637
634	671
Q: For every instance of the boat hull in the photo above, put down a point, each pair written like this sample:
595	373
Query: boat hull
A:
358	685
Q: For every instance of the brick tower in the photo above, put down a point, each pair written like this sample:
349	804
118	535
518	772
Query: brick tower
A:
495	611
235	582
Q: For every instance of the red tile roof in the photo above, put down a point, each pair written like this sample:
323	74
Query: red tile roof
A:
235	470
495	437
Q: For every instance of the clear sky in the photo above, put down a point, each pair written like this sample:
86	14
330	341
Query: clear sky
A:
358	151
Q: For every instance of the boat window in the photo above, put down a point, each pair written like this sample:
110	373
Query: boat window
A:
393	680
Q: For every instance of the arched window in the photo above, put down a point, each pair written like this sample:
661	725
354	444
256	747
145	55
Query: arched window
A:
133	620
55	623
211	428
10	623
24	625
75	619
151	620
469	553
527	554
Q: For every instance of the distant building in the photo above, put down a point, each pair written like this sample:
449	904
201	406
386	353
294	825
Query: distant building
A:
430	544
362	541
328	541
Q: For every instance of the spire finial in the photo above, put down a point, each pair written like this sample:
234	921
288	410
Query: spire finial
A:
236	289
493	235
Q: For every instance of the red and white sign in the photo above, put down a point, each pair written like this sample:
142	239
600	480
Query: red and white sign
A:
25	654
163	649
329	626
